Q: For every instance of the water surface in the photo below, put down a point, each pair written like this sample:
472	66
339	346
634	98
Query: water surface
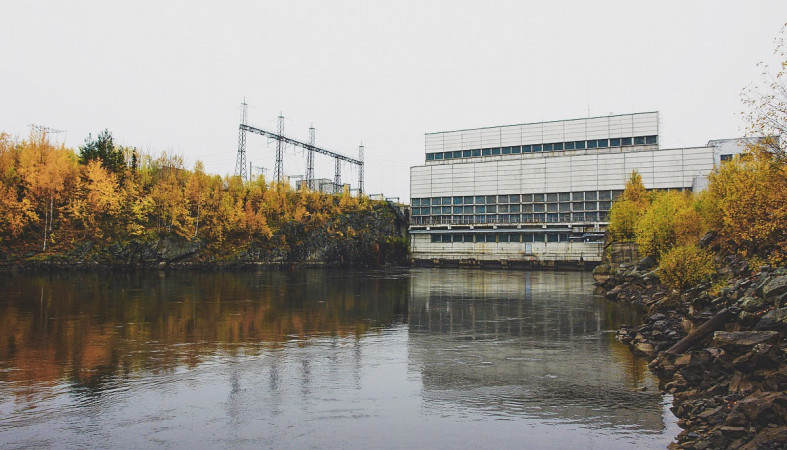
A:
313	359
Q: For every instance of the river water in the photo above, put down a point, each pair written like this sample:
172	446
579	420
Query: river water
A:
418	358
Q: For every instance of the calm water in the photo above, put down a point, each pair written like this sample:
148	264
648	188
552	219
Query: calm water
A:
421	358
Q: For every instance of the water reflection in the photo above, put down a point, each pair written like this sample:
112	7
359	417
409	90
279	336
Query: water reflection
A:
514	344
402	359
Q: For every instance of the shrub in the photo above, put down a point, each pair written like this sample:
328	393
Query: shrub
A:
685	266
627	210
670	220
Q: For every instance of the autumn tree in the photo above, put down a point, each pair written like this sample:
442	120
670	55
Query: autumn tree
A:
627	210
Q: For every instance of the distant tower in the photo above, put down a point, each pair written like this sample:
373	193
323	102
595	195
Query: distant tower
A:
278	172
337	175
240	162
310	161
360	170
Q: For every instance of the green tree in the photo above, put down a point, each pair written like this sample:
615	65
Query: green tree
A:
103	149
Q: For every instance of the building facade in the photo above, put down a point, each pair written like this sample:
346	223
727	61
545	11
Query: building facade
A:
538	193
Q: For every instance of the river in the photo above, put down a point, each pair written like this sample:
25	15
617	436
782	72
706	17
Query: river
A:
409	358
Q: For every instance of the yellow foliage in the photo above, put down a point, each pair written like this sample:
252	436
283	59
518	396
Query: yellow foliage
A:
686	266
627	210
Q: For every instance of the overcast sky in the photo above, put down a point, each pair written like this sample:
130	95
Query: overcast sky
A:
165	75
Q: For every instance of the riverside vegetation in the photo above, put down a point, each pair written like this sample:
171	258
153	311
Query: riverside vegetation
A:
714	281
108	206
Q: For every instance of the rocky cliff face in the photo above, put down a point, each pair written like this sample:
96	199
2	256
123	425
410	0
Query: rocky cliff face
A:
719	349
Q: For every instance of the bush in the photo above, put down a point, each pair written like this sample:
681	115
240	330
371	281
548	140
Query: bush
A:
685	266
670	220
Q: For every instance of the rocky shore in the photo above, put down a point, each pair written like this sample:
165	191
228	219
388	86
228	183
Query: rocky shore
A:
719	349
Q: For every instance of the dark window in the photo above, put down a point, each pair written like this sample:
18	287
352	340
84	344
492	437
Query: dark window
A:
615	142
495	151
527	237
491	237
458	210
438	156
528	208
616	194
465	153
467	210
552	197
490	199
480	209
592	143
416	202
502	199
558	146
539	207
424	202
476	152
604	195
526	198
430	156
565	196
536	148
590	206
435	238
491	209
468	200
480	199
578	206
551	207
552	237
514	208
506	150
526	149
446	200
458	200
447	239
548	147
625	141
435	210
446	210
639	140
579	145
603	143
651	139
569	145
479	238
591	217
565	207
565	217
579	217
514	218
516	150
513	237
513	198
502	237
604	206
725	157
590	195
486	151
538	198
448	155
538	237
577	196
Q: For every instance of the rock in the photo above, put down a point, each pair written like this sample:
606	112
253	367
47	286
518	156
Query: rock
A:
733	432
647	263
742	341
776	319
751	304
645	349
706	239
656	317
775	287
613	293
768	438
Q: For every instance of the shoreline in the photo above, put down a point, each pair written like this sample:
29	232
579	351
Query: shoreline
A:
718	349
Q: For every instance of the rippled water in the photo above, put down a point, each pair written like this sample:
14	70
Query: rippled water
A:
421	358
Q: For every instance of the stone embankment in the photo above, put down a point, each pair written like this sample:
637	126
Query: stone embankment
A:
719	349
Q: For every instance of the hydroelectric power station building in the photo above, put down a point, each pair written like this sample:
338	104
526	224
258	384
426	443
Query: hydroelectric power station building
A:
539	193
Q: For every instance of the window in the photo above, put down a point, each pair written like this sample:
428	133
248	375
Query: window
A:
577	196
415	202
448	155
527	218
513	208
565	196
491	237
527	149
604	206
604	195
615	142
430	156
592	143
640	140
591	217
424	202
446	210
502	199
578	206
536	148
603	143
616	194
480	209
538	218
465	153
590	206
446	200
468	200
476	152
552	237
538	238
552	197
435	210
539	208
480	199
548	147
527	198
502	209
551	207
491	209
438	156
480	238
506	150
467	210
564	207
516	150
725	157
435	238
486	152
579	217
538	198
513	237
558	146
590	195
527	208
458	210
490	199
551	217
458	200
579	145
564	217
513	198
625	141
495	151
502	237
514	218
651	139
569	145
447	239
527	237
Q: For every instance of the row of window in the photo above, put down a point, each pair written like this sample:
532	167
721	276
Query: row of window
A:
538	218
518	198
499	237
497	209
539	148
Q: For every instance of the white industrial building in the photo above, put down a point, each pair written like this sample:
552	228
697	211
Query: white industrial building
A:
539	193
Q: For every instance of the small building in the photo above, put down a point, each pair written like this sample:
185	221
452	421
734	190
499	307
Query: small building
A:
540	193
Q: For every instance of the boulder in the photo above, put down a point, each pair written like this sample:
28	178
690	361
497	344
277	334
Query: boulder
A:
776	320
751	304
645	349
743	341
775	287
647	263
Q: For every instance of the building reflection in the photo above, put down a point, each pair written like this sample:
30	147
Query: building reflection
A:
538	344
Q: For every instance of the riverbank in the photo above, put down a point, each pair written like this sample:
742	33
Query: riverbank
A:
718	348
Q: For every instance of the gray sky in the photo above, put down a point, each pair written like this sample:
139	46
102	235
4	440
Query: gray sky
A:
171	75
